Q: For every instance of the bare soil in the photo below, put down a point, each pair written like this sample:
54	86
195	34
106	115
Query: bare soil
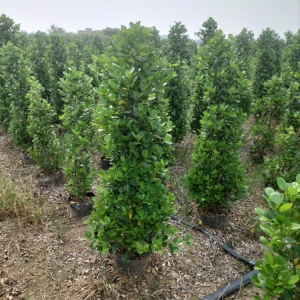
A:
52	261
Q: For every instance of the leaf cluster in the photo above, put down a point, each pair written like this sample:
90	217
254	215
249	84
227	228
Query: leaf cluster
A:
45	149
278	273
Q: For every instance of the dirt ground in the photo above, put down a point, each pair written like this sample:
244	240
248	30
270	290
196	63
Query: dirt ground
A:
52	261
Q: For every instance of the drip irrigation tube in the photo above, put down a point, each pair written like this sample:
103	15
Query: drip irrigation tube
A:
234	285
224	246
228	289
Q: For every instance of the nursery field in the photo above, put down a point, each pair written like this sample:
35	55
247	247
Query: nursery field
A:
183	129
43	255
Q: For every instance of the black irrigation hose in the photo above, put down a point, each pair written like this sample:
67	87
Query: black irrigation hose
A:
224	246
234	285
230	288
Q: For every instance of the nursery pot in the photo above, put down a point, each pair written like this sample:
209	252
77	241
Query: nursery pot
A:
55	179
27	160
135	267
79	210
105	163
218	221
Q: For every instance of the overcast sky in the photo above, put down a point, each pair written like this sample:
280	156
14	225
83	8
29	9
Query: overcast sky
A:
232	15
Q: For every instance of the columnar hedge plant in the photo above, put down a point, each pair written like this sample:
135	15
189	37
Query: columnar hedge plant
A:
79	102
268	61
268	113
55	58
177	90
217	177
14	104
134	205
45	149
219	79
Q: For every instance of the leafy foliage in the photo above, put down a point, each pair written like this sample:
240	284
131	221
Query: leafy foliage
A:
245	50
278	273
292	117
269	60
294	52
268	112
39	66
14	105
219	79
210	27
178	89
134	204
55	57
286	161
79	101
217	177
8	30
45	149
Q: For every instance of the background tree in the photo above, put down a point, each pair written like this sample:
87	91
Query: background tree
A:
8	30
178	89
14	72
294	52
218	75
244	44
210	27
269	60
55	56
36	56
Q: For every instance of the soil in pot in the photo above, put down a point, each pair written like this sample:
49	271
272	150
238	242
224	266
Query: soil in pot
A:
79	209
135	267
105	163
27	160
217	222
54	179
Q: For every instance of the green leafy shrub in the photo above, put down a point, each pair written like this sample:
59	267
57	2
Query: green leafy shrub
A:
244	44
292	116
55	58
219	79
39	67
210	27
8	30
278	273
286	162
45	149
79	102
216	178
269	112
133	205
268	62
177	90
14	104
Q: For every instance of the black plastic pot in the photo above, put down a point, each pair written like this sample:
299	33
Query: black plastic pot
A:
105	163
131	268
56	179
217	222
79	210
27	160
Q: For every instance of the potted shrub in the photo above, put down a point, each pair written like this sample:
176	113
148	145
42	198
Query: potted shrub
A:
216	178
278	273
133	204
45	149
79	99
